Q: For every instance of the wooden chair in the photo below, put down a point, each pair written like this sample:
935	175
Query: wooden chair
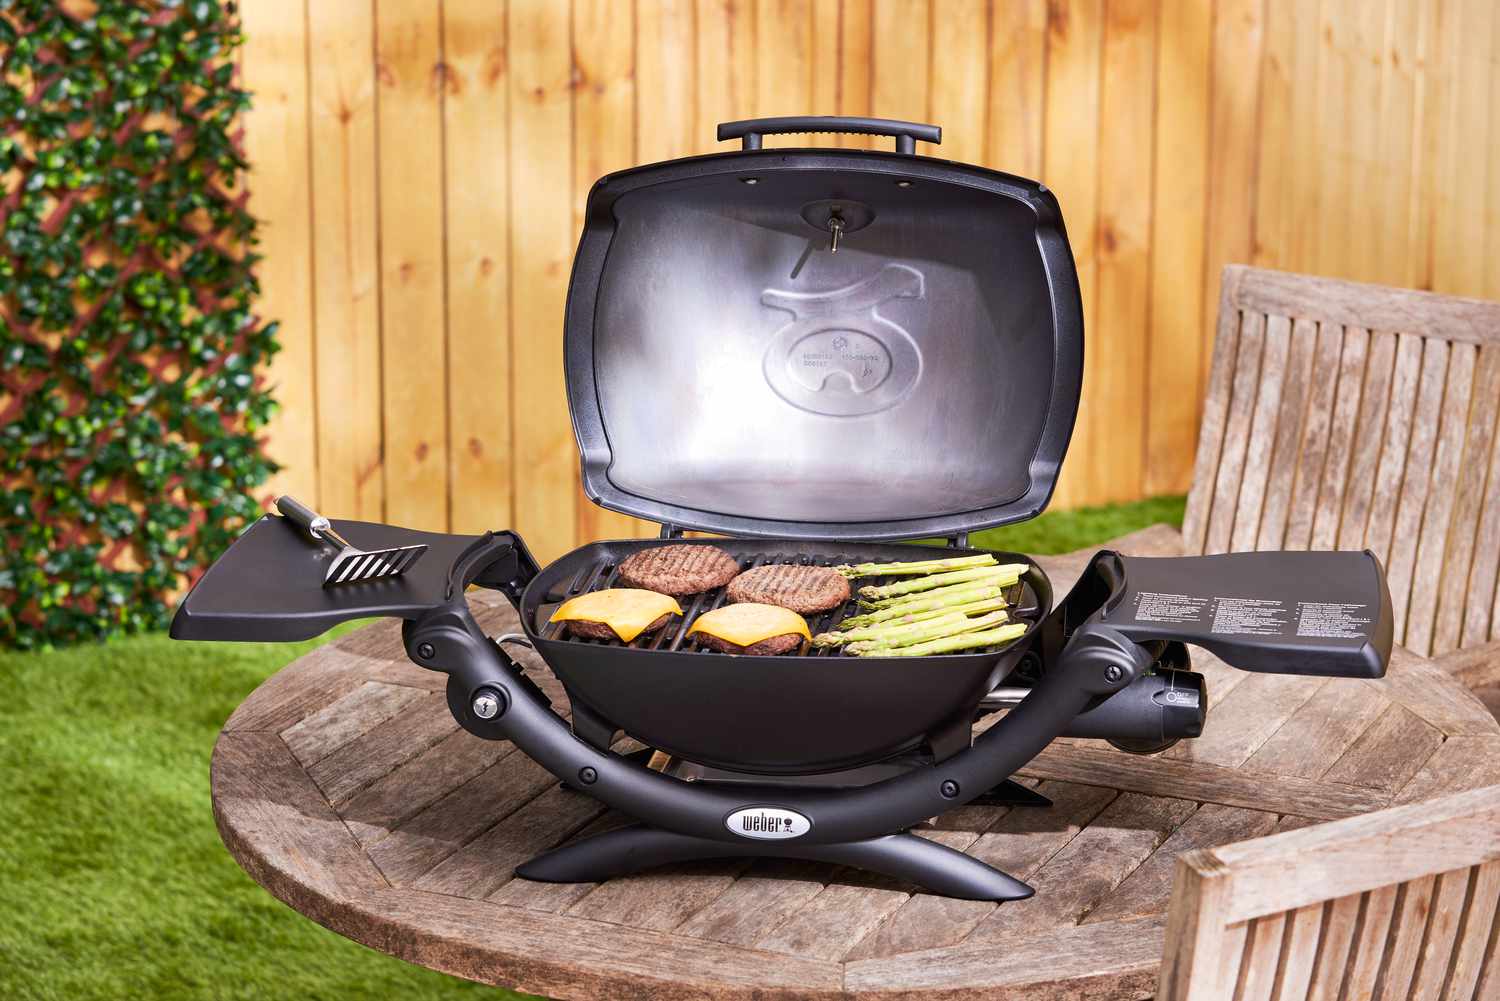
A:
1395	904
1341	415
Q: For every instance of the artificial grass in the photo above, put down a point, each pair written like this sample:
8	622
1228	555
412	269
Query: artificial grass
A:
113	883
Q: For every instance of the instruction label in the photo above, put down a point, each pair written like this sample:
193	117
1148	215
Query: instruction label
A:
1159	606
1333	619
1250	616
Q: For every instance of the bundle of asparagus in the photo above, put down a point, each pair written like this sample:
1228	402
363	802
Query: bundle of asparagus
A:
949	605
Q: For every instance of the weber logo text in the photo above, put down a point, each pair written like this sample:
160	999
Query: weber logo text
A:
767	823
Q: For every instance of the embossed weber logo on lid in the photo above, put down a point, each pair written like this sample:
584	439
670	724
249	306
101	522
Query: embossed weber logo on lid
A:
839	356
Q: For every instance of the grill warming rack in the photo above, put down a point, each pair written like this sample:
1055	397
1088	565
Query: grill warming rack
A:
604	573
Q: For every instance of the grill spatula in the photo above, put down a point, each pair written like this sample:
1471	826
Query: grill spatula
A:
351	565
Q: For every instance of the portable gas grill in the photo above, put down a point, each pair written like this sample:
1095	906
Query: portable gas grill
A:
813	352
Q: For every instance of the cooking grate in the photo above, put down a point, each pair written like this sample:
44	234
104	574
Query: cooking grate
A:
603	574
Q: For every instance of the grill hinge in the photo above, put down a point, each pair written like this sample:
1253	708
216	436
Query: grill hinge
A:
670	531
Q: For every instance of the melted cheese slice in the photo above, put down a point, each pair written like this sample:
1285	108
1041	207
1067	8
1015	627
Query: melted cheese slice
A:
626	610
750	622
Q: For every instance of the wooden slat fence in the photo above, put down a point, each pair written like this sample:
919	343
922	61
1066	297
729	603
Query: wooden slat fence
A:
421	167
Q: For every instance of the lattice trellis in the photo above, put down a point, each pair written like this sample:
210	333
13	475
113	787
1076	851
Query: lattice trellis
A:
129	400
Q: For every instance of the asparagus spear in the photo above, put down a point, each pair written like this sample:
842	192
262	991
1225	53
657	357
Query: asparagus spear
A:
922	632
951	644
894	633
949	593
849	634
918	567
932	602
1002	576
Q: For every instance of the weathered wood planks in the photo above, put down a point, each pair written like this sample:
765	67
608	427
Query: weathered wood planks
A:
1398	903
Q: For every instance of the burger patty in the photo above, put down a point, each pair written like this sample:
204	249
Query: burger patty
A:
679	569
800	588
604	631
785	643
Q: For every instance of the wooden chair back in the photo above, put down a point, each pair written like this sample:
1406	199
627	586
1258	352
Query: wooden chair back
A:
1341	415
1395	904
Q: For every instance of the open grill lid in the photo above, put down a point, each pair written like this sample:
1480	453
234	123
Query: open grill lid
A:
729	371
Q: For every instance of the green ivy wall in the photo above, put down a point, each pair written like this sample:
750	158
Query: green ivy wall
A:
129	402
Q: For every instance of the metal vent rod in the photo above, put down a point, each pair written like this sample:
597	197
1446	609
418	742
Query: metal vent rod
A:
1004	697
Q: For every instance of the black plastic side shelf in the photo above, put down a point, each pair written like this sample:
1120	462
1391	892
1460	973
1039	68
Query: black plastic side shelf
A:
268	586
1325	614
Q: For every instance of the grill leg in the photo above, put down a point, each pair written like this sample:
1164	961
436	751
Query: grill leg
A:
902	856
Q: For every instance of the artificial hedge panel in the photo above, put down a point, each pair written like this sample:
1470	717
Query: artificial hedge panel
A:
129	402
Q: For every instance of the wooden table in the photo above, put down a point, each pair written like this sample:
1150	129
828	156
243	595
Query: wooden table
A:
344	787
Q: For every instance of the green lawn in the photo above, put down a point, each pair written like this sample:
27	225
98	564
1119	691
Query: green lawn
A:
113	884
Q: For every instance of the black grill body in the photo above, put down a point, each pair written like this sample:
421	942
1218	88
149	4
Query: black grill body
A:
774	715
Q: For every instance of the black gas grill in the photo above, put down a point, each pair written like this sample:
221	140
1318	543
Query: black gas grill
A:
812	353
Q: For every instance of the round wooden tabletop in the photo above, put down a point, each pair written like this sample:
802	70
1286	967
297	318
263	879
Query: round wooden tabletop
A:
345	788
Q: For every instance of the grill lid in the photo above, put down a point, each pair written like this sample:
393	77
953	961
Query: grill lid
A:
729	370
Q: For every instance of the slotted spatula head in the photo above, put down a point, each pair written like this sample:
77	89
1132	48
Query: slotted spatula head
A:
351	565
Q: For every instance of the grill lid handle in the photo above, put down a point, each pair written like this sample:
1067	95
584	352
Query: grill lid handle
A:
751	130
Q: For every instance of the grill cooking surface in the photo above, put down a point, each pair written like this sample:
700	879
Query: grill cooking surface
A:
673	636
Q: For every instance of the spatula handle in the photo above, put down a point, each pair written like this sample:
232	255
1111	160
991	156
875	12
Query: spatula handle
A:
303	516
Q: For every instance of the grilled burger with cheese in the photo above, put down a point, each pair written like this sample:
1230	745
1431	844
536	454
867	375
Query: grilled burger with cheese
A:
621	613
750	628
